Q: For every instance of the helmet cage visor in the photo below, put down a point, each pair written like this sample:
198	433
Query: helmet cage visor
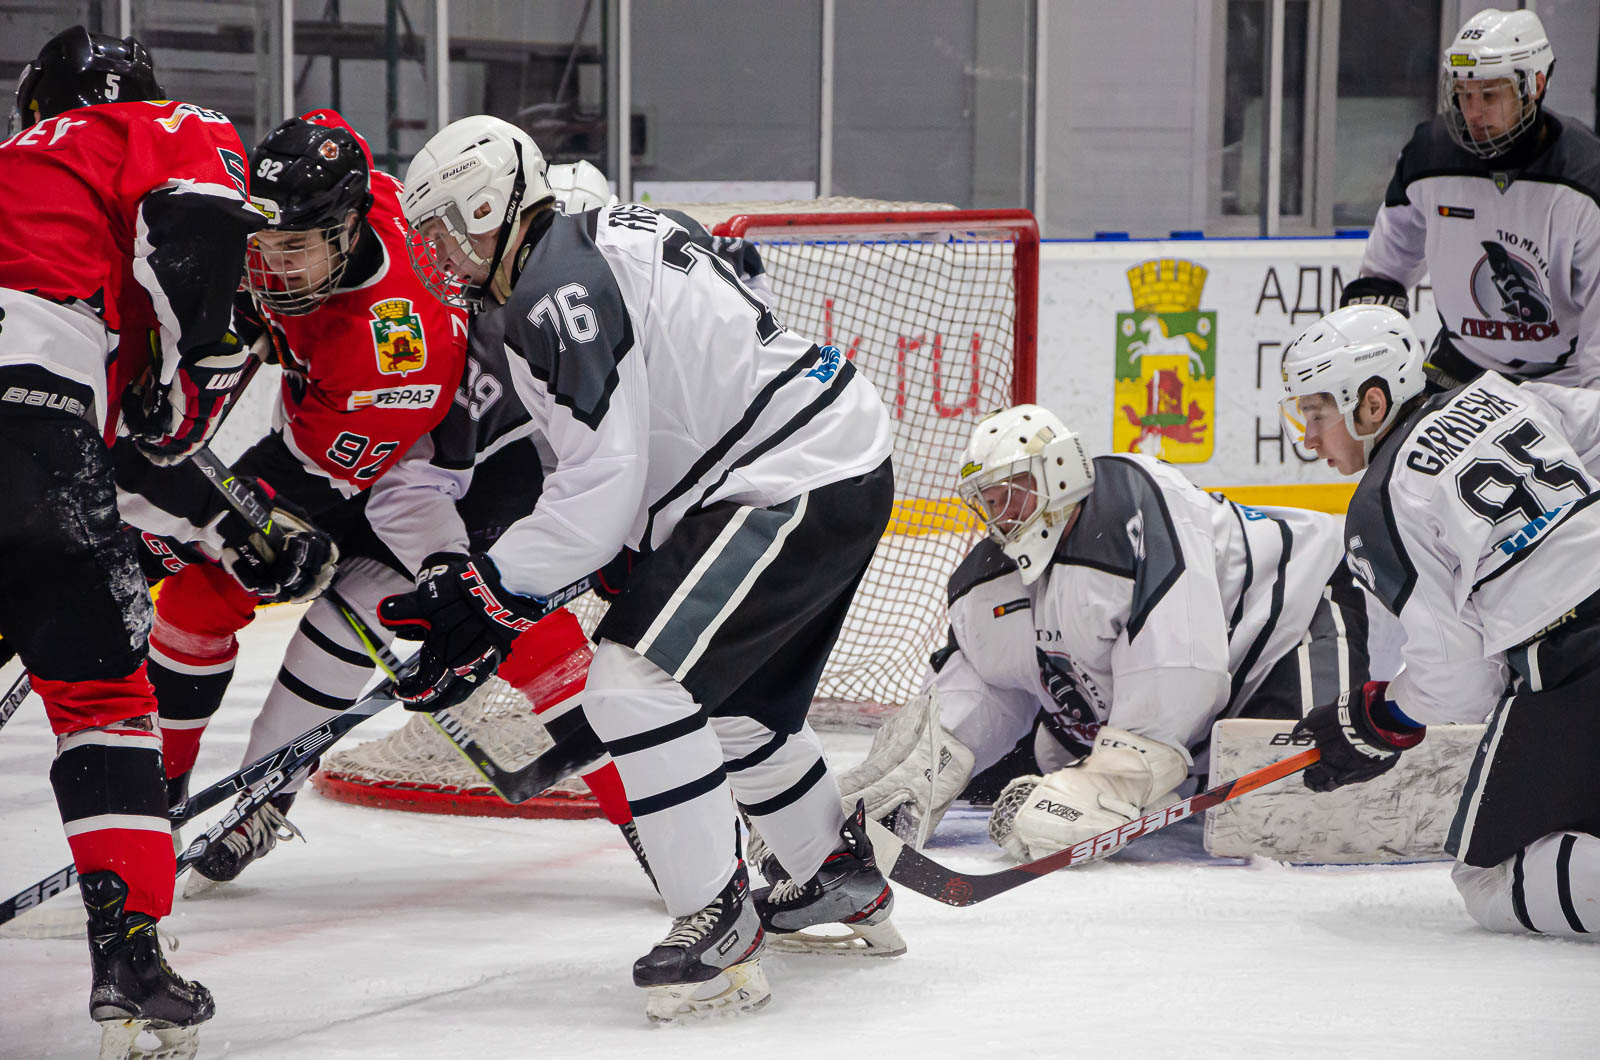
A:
1455	120
293	271
444	259
1007	499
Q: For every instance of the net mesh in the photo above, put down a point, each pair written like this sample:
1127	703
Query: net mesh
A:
928	312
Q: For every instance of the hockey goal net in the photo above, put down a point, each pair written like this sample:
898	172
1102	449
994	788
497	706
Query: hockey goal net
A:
938	308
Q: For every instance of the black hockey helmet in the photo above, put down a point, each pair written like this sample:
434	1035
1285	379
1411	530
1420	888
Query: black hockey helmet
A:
306	178
77	68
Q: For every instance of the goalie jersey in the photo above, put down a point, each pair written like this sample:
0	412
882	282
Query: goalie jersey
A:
1475	524
1513	254
651	383
1162	609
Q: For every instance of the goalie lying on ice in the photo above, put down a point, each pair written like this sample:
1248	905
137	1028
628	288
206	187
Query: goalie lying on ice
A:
1129	607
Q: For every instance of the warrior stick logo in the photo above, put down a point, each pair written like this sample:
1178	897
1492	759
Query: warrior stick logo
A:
397	337
1166	365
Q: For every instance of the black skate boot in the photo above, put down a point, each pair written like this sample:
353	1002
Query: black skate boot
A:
710	961
248	841
848	889
134	989
630	832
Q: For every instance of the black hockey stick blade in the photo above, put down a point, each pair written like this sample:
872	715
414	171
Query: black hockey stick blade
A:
573	753
917	872
272	771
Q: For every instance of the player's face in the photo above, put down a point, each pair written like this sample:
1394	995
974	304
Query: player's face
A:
472	269
1009	504
1491	108
1327	436
296	262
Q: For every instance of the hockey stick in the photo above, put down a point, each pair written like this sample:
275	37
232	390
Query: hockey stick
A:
19	691
268	535
271	771
573	752
917	872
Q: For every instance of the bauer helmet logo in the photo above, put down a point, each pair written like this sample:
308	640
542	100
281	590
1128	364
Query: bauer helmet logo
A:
451	172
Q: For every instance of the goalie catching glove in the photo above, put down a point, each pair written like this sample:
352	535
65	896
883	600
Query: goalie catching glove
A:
167	424
900	782
299	569
466	620
1358	742
1123	778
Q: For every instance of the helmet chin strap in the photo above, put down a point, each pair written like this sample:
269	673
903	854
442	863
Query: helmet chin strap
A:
508	223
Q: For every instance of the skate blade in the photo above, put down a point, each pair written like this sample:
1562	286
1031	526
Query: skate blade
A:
740	988
856	940
198	886
120	1040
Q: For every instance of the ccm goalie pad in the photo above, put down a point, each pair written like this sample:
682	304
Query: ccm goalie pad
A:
1402	815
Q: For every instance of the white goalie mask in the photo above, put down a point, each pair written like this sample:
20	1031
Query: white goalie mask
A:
465	191
1328	367
1491	81
1024	473
579	186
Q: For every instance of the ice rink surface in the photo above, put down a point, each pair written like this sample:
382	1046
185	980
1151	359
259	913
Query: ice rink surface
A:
400	935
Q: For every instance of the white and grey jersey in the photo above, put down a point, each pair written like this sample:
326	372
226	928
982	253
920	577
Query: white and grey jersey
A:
652	382
1163	608
1475	524
1513	255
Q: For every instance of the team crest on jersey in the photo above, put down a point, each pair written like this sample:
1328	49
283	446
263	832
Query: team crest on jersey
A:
1508	290
397	337
183	110
1166	365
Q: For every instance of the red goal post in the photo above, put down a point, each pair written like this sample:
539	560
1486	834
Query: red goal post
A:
939	308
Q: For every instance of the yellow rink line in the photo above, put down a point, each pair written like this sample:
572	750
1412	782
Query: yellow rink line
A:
948	515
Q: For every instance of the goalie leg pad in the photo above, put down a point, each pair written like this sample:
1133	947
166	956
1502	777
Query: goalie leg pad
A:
915	767
1550	887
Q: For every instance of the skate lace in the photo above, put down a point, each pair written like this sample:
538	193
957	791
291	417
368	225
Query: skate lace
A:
252	835
687	930
785	890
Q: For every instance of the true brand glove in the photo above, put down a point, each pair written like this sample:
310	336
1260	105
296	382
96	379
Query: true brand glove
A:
1359	740
466	620
301	567
168	424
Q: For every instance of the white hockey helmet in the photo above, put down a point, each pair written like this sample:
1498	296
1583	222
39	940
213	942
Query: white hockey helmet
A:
580	186
1024	473
1343	354
473	178
1495	45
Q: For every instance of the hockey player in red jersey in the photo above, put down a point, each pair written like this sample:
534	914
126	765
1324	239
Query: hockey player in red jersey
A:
370	363
115	207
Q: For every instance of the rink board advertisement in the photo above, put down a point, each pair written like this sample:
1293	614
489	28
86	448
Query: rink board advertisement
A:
1172	347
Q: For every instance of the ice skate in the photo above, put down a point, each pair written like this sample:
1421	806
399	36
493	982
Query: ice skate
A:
630	832
710	962
848	891
135	990
249	840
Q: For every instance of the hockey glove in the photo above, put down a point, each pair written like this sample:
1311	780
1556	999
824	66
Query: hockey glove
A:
1358	741
168	424
1376	290
466	621
299	570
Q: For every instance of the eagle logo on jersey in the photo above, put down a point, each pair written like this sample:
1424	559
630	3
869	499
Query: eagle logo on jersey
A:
1166	365
397	337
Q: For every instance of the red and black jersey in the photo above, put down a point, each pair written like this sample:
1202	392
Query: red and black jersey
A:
375	366
134	212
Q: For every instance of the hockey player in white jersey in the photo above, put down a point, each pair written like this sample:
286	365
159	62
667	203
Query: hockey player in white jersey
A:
1475	524
1497	200
1132	610
747	471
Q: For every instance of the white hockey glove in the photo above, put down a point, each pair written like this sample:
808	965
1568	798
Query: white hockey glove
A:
1125	777
899	782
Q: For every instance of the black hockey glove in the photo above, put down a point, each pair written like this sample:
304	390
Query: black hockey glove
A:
1376	290
1358	741
466	621
169	423
299	570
